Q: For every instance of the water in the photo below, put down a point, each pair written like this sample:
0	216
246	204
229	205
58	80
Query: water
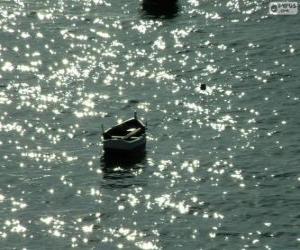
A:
221	169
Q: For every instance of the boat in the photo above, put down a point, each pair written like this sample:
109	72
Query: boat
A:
159	8
126	137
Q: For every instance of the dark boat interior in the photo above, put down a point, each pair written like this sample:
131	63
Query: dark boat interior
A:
128	130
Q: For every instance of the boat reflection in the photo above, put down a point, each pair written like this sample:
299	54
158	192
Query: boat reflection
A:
118	169
160	8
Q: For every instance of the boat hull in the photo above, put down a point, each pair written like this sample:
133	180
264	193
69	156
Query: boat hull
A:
120	145
158	8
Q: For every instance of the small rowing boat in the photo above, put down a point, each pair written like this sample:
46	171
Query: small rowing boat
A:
126	137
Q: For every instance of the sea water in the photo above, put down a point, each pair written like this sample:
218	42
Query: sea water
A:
221	168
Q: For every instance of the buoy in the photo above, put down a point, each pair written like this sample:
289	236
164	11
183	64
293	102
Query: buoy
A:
203	86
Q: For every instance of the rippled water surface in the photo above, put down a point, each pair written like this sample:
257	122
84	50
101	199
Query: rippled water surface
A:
221	169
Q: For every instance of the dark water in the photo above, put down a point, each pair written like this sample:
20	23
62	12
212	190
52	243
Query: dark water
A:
221	169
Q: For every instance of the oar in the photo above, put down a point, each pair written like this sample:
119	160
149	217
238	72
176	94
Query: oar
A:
132	133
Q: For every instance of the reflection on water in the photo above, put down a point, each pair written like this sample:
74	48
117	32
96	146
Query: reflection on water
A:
120	170
157	8
123	160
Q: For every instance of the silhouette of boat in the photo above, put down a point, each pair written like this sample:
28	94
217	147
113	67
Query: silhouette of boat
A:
127	137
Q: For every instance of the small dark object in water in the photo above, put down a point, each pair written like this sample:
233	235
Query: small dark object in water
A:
133	101
87	19
203	86
32	14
